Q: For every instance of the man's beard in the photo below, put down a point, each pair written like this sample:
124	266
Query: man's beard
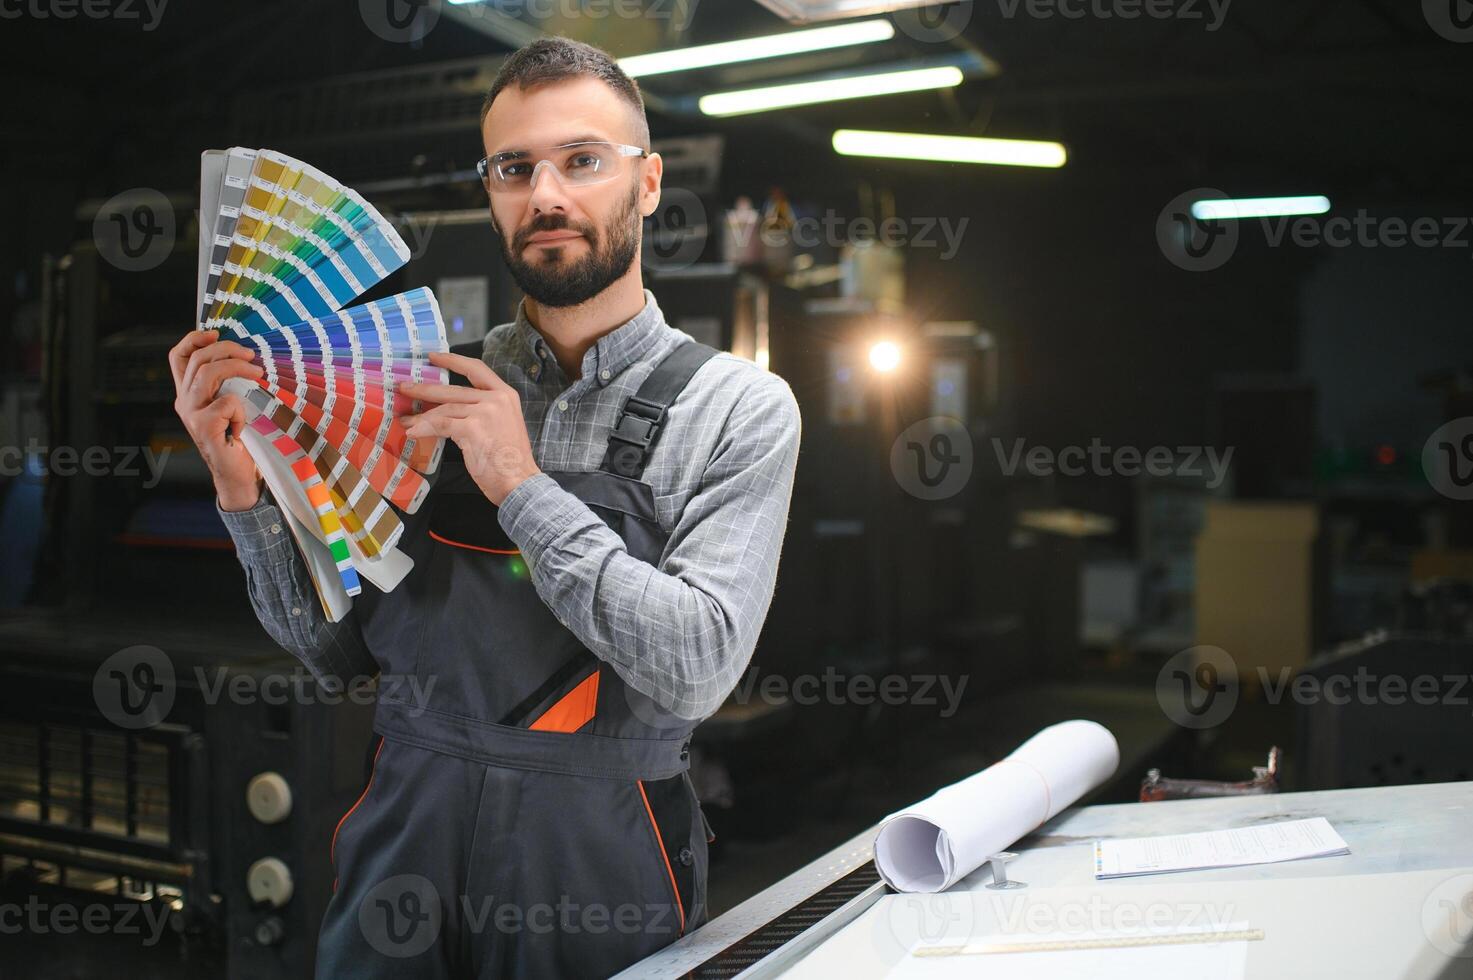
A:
556	283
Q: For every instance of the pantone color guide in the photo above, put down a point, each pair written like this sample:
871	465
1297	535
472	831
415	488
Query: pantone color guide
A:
285	251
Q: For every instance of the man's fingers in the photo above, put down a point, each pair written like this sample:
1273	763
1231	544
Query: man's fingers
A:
475	370
228	408
436	425
444	394
452	411
219	351
207	379
180	352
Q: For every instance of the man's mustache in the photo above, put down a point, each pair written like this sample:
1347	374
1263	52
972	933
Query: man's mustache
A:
555	222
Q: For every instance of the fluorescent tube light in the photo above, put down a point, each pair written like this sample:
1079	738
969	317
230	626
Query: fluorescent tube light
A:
1259	207
828	90
949	149
757	48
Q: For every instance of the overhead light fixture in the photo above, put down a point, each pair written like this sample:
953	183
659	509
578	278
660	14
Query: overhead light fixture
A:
1259	207
800	11
757	48
949	149
829	90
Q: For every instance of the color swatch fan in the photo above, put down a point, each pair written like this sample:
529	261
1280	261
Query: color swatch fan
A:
284	250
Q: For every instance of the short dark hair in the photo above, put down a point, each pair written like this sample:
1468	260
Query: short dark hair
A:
552	59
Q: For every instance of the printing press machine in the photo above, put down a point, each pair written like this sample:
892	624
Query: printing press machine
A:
194	822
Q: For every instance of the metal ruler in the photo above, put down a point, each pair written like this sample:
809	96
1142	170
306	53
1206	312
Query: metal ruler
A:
1103	942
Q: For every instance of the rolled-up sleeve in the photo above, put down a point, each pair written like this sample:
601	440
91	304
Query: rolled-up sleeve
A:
683	632
285	601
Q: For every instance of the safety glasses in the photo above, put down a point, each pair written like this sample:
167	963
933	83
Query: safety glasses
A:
576	165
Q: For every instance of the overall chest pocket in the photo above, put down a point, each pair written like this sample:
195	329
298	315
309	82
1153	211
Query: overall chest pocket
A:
488	640
486	634
469	520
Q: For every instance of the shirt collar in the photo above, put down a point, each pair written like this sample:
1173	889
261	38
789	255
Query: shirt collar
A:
612	352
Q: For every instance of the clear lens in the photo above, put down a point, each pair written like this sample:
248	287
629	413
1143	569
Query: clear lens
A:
575	163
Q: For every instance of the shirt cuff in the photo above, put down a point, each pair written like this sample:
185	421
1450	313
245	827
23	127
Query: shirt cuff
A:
260	534
536	511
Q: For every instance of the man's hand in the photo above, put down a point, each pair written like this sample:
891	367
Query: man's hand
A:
485	422
200	363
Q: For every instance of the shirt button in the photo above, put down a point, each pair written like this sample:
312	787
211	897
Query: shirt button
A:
604	374
686	856
276	529
534	370
562	406
296	610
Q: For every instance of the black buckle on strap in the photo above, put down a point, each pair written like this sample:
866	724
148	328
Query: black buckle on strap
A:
638	425
636	431
644	409
639	422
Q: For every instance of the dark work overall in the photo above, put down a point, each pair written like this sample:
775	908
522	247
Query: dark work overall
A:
532	816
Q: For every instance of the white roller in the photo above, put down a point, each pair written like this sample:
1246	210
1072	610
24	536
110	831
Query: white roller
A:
930	846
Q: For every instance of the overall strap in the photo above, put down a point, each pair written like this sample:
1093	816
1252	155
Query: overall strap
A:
643	415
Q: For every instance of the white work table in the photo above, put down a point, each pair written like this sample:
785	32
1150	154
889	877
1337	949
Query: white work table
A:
1399	906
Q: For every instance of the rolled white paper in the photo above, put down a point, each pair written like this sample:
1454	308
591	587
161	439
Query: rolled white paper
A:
930	846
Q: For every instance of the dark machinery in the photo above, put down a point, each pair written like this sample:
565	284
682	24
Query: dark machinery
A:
196	837
1388	709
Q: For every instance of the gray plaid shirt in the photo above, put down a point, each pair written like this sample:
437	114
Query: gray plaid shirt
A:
681	632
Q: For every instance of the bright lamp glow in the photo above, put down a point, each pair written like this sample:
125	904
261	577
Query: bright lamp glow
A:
884	356
1259	207
828	90
949	149
757	48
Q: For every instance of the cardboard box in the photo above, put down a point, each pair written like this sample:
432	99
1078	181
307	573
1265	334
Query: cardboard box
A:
1259	580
